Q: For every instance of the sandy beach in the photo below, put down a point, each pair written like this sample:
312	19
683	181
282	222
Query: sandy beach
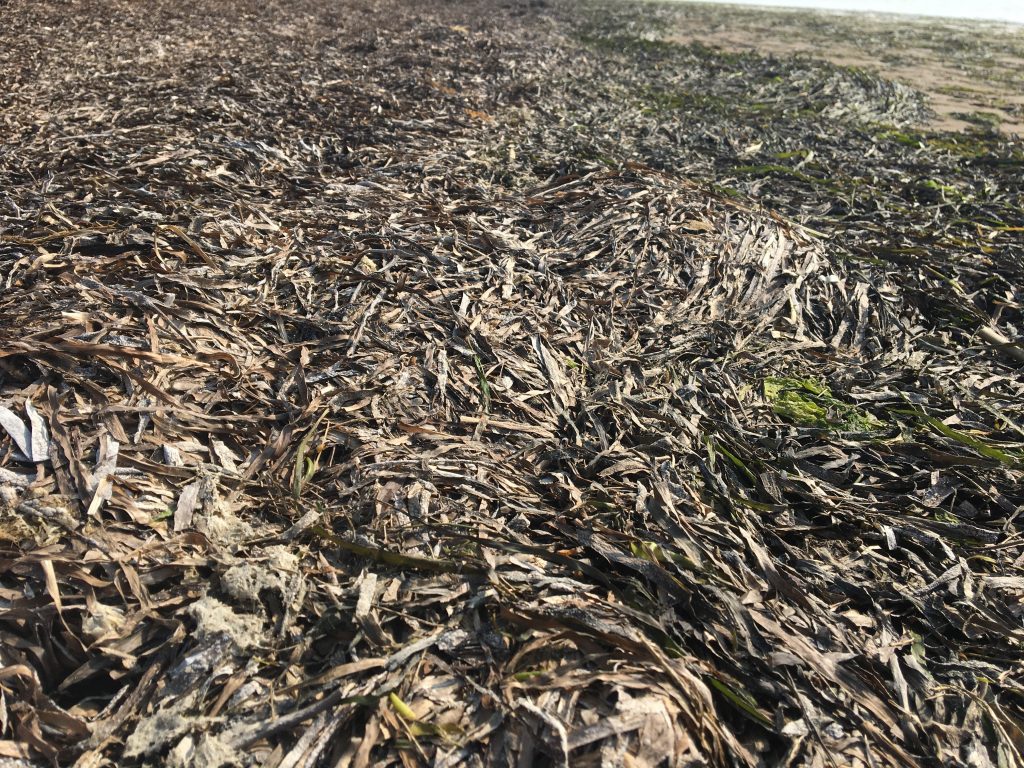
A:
971	71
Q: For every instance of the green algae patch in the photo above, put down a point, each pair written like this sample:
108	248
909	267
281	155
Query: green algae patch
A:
809	403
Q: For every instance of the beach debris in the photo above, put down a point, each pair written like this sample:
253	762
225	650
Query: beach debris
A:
497	384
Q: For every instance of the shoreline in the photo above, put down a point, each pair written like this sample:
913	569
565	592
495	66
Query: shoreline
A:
923	18
965	86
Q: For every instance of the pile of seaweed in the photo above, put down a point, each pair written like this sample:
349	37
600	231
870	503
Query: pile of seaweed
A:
417	383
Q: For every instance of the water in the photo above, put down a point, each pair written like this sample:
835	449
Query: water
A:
992	10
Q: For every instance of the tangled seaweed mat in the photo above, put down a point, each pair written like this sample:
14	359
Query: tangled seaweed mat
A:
330	440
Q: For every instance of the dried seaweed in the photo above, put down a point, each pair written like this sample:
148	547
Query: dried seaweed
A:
430	384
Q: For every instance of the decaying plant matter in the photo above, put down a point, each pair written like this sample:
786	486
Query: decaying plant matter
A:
493	384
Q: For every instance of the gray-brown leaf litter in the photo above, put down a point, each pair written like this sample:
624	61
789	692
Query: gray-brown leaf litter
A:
493	384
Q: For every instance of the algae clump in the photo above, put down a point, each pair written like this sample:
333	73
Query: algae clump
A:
809	403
